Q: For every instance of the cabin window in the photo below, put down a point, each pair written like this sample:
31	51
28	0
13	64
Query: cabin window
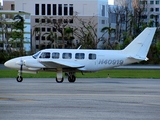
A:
45	55
67	56
55	55
92	56
79	55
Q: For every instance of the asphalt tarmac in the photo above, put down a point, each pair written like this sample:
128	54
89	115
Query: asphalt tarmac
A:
86	99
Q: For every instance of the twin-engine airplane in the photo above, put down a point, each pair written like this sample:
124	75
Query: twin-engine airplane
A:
73	60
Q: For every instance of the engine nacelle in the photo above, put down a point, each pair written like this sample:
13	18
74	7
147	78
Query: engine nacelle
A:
32	64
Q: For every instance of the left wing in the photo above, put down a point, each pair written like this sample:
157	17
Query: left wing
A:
60	64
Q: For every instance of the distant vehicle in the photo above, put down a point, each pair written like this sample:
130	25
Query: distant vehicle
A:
73	60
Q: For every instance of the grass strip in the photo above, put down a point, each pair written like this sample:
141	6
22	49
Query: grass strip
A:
101	74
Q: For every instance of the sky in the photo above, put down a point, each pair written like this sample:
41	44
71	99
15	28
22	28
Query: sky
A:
1	2
110	2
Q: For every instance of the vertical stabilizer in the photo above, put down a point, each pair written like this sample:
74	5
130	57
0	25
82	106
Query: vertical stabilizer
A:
139	47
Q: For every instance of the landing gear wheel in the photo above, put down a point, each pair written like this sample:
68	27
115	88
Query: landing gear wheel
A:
59	80
19	79
72	78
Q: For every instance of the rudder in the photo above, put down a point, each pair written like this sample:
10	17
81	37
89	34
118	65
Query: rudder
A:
139	47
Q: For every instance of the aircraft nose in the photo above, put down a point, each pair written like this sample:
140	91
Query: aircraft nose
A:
15	63
11	63
8	63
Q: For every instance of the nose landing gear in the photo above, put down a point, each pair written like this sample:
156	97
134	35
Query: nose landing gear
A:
20	78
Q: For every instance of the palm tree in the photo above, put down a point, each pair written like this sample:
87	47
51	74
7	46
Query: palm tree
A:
52	36
108	30
68	33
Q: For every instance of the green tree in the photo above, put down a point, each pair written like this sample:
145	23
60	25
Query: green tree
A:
6	34
57	26
18	32
86	32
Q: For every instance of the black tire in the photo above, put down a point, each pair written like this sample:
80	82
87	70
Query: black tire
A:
59	81
72	78
19	79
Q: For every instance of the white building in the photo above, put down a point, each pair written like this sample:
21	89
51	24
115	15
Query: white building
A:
153	11
57	8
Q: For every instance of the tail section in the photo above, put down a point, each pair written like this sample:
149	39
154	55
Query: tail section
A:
139	47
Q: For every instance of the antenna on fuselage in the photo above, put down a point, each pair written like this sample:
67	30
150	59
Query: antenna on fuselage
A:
79	47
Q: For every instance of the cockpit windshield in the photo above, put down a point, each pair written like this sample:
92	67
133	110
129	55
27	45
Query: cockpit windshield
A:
36	55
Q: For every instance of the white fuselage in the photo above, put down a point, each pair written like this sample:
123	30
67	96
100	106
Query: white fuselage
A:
72	60
89	60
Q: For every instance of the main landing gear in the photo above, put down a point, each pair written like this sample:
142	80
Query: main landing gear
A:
71	76
71	79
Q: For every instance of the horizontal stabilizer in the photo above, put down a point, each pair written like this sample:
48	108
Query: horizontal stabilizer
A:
138	58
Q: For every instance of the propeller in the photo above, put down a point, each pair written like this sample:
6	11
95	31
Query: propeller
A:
21	63
21	66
